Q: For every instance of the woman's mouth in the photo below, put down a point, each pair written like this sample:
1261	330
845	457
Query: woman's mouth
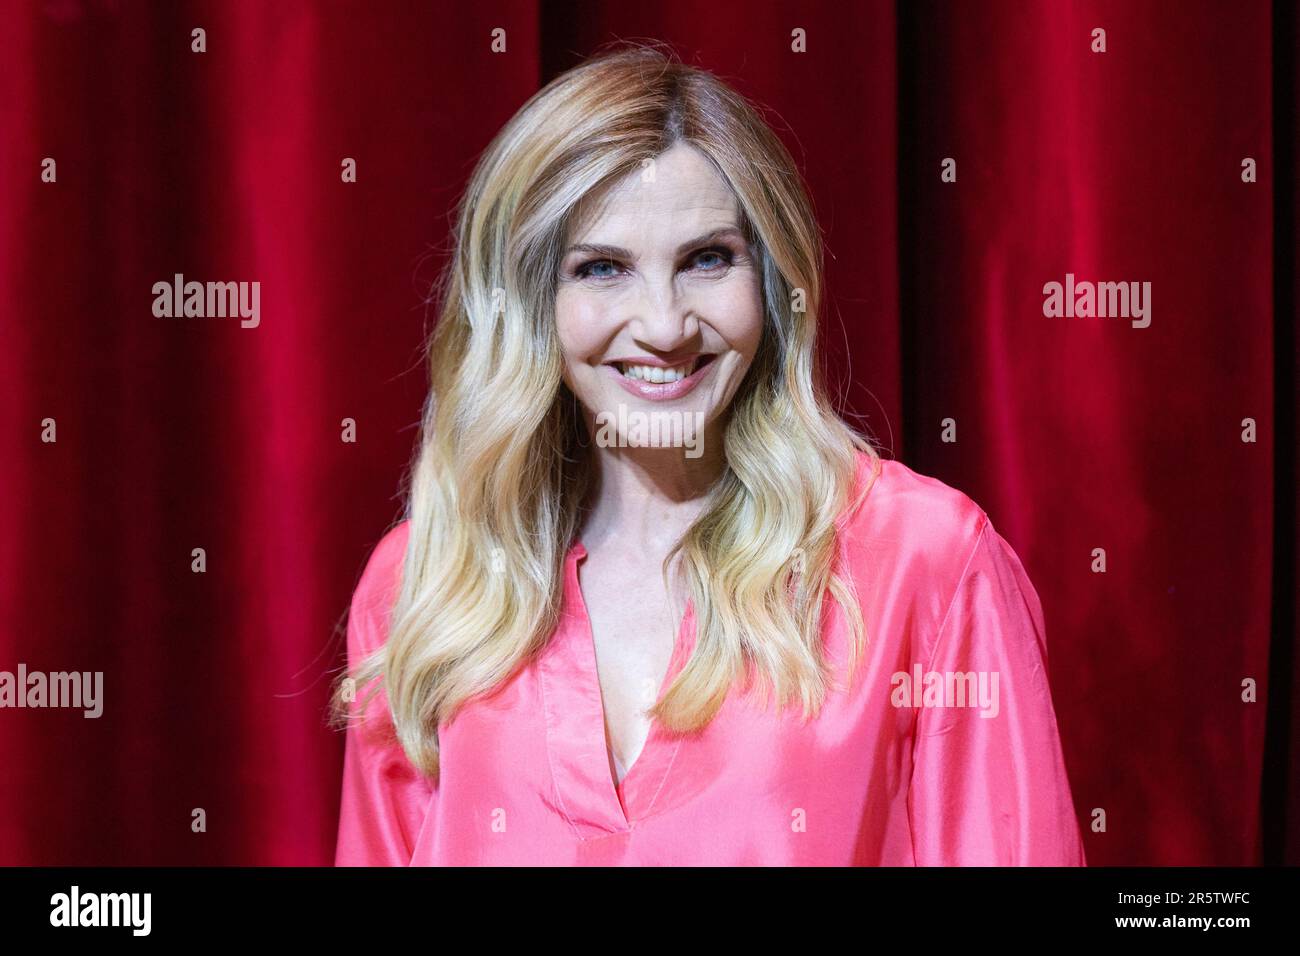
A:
660	382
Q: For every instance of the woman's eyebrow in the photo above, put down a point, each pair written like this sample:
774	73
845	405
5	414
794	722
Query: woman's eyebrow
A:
618	252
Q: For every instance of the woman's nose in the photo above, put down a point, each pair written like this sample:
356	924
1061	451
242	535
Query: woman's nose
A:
662	317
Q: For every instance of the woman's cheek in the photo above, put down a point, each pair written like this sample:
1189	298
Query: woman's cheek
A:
739	315
577	325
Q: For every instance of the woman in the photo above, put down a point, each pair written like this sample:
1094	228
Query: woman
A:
654	602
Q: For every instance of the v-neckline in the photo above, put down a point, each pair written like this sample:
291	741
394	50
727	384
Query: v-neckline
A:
577	739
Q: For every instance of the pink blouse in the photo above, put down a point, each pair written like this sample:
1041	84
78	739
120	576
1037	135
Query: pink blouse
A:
944	752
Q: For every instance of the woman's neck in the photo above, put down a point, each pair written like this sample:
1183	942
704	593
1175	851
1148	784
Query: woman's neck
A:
648	495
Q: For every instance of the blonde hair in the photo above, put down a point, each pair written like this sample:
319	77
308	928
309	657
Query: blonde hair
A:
501	472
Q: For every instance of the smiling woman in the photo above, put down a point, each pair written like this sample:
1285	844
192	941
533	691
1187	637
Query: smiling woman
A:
578	650
696	306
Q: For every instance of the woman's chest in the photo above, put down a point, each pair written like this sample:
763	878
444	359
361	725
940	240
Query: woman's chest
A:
536	753
633	631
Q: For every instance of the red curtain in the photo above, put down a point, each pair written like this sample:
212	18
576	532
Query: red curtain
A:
1075	434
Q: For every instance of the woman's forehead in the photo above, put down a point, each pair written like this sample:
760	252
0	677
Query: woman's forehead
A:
679	196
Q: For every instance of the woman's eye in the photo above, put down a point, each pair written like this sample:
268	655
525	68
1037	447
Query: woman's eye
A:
597	269
713	260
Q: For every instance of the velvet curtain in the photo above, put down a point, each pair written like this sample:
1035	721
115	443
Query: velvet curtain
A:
961	157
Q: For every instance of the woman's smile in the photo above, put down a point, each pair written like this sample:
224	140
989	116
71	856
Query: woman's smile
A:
655	380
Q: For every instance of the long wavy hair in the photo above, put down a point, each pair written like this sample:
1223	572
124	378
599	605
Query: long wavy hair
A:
503	463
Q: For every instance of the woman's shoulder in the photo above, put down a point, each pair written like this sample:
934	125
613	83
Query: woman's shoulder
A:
911	514
372	600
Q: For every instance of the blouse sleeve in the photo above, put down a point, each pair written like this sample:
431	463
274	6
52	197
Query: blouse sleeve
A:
385	798
989	785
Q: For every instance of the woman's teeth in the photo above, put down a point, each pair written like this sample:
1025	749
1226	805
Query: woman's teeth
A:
656	375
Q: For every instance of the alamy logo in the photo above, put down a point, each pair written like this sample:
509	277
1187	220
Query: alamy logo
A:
75	689
1124	300
181	299
638	429
946	689
102	909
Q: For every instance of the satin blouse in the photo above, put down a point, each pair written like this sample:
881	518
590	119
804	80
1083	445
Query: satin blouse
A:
943	751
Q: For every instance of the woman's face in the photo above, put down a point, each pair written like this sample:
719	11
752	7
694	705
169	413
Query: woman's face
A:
659	307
